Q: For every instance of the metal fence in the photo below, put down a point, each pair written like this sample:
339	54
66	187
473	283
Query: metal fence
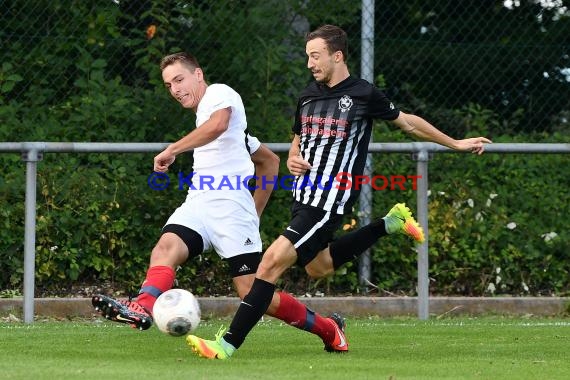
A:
33	152
507	57
81	69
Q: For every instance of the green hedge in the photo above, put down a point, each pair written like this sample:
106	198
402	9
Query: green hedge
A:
97	221
496	224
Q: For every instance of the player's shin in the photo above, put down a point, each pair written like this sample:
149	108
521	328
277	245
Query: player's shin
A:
249	312
353	244
158	280
296	314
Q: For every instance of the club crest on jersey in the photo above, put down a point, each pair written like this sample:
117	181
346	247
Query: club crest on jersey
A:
345	103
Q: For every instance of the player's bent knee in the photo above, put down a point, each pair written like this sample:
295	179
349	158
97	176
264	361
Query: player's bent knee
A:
264	270
170	255
270	271
159	252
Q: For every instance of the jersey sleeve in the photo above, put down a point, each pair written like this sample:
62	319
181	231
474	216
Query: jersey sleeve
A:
253	143
380	107
221	97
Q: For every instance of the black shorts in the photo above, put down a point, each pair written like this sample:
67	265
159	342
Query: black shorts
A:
243	264
311	230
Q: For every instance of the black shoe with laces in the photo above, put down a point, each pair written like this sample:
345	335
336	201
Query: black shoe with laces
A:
129	312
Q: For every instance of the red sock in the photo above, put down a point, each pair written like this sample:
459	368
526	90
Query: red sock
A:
296	314
158	280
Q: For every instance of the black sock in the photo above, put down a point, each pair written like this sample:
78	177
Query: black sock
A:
350	246
250	311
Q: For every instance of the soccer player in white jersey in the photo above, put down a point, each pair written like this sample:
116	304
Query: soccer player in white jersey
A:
332	129
217	214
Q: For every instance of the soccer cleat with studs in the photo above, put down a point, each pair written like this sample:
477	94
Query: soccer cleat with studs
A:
400	220
208	349
340	343
129	312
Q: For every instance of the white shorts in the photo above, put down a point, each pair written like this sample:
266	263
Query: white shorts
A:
225	219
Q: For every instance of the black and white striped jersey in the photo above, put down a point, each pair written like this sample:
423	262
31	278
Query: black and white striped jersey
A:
334	126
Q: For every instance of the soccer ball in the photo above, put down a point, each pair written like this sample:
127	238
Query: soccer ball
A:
176	312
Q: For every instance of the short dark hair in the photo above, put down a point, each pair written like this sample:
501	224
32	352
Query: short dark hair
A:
335	38
186	58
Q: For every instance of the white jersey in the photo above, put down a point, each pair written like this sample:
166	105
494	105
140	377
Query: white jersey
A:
227	158
223	215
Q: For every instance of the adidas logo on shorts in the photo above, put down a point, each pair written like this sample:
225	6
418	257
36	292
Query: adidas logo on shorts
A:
248	242
243	268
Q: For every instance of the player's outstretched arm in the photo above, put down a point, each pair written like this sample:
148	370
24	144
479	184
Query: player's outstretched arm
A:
210	130
423	130
266	170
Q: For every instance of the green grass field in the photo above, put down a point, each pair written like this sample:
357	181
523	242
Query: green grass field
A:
458	348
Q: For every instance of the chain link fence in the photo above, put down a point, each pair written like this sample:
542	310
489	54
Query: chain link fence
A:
74	70
508	58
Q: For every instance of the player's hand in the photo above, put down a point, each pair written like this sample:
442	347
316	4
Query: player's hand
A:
163	160
297	165
474	145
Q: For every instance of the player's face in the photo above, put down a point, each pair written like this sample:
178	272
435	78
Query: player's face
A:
184	85
320	62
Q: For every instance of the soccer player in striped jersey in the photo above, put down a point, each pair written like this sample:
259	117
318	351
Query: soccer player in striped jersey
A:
332	129
213	217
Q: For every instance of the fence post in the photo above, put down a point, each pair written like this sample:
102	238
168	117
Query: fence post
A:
422	158
31	156
367	73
